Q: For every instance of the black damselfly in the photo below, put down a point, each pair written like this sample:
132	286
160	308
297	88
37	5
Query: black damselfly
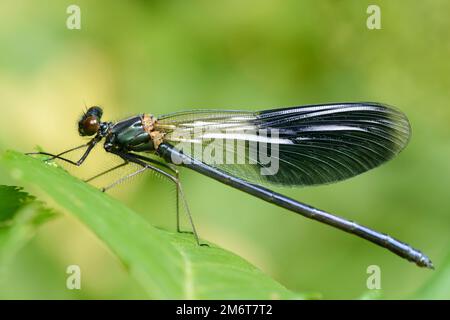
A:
311	145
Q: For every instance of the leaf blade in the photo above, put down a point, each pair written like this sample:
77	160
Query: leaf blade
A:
168	265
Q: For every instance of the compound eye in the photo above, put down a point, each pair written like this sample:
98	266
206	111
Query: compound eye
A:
89	126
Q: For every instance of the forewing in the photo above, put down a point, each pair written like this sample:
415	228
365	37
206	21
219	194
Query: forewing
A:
310	145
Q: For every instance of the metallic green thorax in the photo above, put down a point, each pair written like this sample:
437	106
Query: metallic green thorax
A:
129	135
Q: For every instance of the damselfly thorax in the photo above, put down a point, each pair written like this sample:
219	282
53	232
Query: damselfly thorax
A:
135	134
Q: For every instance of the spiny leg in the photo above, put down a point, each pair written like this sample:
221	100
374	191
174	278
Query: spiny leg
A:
106	171
176	173
188	212
177	177
168	166
139	160
154	161
119	181
179	191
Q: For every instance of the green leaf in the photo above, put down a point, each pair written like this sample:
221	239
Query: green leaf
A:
11	199
167	265
20	216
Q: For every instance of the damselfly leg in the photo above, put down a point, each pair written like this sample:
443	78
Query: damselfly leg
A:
90	145
141	160
138	159
106	171
176	174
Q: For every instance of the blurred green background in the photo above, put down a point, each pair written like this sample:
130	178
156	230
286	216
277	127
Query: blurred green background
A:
166	56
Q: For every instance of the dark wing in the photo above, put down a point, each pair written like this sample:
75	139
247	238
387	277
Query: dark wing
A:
307	145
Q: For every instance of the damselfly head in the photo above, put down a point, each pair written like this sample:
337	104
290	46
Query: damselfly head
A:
89	123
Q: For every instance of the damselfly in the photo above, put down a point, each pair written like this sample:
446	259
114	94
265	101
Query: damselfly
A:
310	145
